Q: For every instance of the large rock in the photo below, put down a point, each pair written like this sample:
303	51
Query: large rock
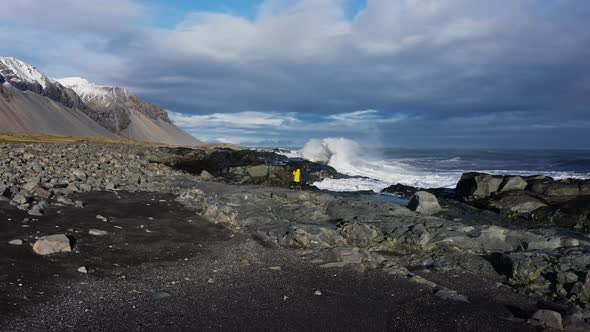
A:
477	185
555	189
518	202
425	203
547	318
572	214
52	244
512	183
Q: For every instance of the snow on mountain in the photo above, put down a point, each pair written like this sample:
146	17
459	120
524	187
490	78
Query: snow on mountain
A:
88	91
15	70
32	102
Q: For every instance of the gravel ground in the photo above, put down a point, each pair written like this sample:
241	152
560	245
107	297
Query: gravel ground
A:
179	272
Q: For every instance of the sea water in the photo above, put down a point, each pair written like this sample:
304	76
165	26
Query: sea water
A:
377	168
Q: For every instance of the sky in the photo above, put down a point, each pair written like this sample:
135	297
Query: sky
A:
400	73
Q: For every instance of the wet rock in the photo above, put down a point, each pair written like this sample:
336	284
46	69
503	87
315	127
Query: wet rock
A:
425	203
547	318
52	244
400	189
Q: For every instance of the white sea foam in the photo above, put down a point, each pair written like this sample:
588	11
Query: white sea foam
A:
289	153
348	157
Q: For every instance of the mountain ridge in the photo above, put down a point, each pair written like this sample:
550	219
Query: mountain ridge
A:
118	111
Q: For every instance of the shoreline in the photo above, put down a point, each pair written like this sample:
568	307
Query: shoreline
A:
244	243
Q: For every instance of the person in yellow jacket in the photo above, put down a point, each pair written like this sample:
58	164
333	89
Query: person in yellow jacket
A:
296	179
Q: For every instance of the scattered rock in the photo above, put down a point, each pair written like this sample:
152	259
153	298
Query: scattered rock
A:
35	212
52	244
82	269
160	295
317	292
99	217
451	295
97	232
17	242
425	203
206	176
547	318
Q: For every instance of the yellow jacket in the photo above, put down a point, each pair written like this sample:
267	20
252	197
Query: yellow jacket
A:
297	175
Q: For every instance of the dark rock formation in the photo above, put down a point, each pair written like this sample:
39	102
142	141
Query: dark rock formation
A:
247	166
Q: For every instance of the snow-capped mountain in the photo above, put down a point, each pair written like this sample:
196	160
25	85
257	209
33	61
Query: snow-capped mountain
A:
125	114
32	102
17	73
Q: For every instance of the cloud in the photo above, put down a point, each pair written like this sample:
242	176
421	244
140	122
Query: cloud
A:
235	120
426	63
372	116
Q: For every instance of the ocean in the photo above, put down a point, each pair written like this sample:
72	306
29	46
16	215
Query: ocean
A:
378	168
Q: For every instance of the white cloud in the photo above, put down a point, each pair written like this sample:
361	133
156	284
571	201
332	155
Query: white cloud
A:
234	120
366	115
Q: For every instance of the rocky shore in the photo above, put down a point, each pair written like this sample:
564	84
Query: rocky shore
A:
153	227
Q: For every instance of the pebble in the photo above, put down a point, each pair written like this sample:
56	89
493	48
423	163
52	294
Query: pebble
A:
17	242
317	292
97	232
159	295
82	269
275	268
99	217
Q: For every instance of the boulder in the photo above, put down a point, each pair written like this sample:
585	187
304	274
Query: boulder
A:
258	171
400	189
477	185
52	244
554	189
547	318
206	176
425	203
572	214
222	214
40	192
515	202
512	183
20	199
